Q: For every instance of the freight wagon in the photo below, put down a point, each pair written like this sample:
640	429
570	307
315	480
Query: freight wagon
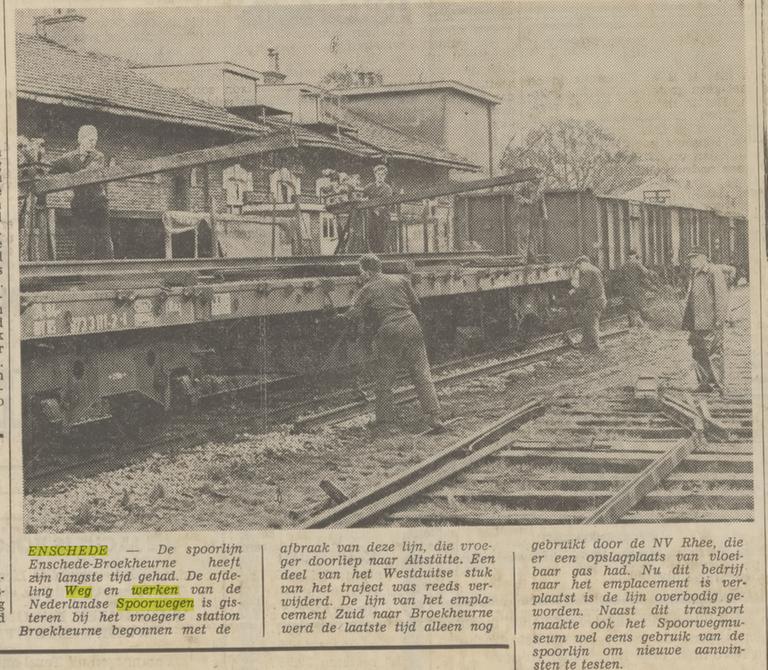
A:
562	225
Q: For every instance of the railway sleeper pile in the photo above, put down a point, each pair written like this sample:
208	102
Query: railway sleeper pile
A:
612	458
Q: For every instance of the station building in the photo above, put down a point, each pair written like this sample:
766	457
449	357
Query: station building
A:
146	111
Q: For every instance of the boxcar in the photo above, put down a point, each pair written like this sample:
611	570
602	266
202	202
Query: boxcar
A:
562	225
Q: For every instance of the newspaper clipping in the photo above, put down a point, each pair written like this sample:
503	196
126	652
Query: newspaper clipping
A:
383	334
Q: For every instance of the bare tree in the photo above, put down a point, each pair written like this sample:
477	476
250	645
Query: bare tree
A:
573	154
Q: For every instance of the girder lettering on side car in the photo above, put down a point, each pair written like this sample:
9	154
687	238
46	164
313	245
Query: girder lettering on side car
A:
64	313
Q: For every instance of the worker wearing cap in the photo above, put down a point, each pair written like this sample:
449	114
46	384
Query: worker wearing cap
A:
706	312
635	279
388	302
378	219
90	208
589	294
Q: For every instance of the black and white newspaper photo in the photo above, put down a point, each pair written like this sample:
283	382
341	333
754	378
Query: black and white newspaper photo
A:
384	334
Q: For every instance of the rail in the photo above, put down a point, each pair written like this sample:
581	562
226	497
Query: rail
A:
445	464
132	266
63	182
453	188
547	346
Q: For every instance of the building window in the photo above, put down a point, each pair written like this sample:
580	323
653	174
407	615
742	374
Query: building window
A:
237	181
284	186
329	228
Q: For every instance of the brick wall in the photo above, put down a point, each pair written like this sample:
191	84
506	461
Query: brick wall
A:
122	139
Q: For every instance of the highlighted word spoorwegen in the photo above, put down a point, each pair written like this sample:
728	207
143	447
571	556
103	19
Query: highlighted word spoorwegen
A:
155	604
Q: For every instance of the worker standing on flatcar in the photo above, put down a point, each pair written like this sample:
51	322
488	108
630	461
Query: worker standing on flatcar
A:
635	280
706	312
378	219
90	208
389	302
589	294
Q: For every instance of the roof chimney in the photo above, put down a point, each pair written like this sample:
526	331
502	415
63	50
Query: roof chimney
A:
274	56
63	26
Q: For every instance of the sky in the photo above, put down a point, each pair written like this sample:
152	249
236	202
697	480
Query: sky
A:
665	77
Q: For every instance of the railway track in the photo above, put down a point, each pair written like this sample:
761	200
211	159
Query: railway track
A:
191	431
612	458
458	372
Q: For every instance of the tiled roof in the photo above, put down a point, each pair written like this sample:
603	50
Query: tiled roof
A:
393	142
49	72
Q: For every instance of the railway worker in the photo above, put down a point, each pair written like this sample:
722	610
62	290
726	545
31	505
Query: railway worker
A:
389	303
90	208
589	295
378	219
705	316
635	280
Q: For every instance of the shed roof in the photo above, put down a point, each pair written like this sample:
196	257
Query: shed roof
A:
395	143
54	74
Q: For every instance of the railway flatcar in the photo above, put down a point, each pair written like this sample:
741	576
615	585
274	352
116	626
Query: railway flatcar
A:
115	340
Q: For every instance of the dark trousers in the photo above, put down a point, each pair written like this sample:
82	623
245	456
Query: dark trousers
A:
707	352
590	328
378	231
92	233
397	344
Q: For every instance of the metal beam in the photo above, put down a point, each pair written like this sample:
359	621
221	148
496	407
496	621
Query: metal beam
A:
63	182
632	493
138	266
453	188
432	471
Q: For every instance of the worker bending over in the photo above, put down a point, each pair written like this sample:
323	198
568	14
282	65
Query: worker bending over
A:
589	294
90	209
706	312
388	302
635	280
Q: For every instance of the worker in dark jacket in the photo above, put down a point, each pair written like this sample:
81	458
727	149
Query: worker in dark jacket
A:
706	312
635	280
388	302
378	219
589	294
90	208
